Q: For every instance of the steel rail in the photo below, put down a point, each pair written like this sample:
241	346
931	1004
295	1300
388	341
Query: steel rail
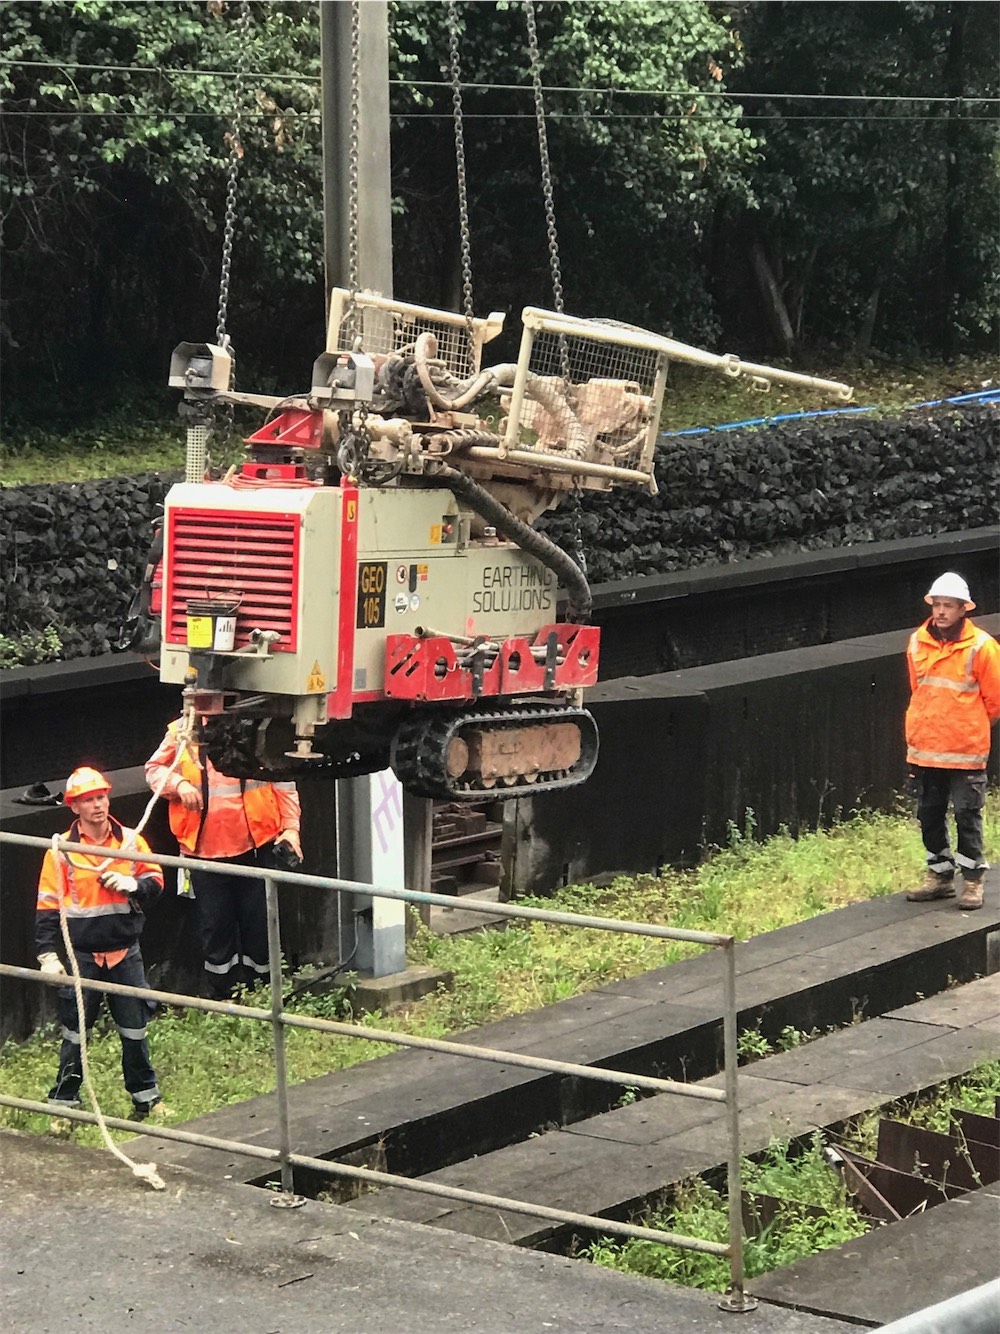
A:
371	1177
494	1055
378	891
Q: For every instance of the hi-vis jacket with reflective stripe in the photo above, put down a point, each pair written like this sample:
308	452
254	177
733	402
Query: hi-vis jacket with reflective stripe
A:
99	919
956	696
236	816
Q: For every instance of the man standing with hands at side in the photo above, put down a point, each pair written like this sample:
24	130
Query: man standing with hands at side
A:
955	683
237	821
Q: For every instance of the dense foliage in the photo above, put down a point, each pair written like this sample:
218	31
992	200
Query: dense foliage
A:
684	199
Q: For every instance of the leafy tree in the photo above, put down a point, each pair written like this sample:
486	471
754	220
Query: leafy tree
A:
114	156
639	172
877	218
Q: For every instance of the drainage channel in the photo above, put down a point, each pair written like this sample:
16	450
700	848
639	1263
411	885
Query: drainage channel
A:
417	1113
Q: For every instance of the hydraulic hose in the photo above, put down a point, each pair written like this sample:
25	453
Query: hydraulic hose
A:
534	543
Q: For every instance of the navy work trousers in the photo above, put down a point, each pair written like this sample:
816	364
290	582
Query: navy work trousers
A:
131	1016
965	789
232	924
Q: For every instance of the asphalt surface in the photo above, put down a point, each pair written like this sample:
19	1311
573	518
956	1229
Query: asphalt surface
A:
84	1246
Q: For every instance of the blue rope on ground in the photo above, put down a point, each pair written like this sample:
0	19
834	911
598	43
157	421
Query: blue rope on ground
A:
979	396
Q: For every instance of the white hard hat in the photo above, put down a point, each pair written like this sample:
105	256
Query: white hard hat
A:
951	586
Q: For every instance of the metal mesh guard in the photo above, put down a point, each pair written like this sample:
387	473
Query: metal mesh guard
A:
587	396
389	326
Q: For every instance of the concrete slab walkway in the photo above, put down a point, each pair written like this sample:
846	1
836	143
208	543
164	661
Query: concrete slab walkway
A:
85	1247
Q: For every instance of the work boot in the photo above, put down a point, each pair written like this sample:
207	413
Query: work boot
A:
972	891
160	1112
935	886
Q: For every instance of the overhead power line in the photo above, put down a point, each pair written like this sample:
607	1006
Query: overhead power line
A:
742	95
514	115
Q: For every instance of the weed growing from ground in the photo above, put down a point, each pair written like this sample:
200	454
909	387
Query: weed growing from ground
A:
799	1179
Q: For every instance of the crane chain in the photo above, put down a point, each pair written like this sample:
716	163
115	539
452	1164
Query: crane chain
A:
460	172
543	153
222	339
351	325
555	267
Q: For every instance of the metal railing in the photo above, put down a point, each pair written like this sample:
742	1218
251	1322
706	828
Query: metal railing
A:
280	1019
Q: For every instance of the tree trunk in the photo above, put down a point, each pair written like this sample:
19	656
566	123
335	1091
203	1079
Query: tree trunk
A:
774	304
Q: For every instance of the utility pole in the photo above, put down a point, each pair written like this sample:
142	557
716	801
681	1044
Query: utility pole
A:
374	195
370	810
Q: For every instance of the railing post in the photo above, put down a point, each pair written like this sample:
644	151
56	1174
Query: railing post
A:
287	1199
736	1299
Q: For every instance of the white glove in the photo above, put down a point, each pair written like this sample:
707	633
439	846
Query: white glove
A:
49	963
120	884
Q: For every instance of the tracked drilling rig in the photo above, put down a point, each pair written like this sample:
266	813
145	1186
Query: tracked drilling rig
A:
368	589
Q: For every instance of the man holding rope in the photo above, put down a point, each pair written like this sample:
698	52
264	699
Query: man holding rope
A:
104	900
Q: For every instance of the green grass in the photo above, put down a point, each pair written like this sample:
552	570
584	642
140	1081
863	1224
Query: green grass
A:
150	438
700	398
204	1061
801	1179
123	442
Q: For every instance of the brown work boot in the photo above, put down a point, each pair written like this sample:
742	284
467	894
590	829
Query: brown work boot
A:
935	886
972	891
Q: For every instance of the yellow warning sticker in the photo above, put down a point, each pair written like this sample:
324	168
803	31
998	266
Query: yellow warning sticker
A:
435	534
352	510
316	682
421	571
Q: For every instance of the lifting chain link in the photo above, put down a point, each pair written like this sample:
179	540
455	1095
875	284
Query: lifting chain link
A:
235	154
351	325
579	552
543	153
229	228
463	195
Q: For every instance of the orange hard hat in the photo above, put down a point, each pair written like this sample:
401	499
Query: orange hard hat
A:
85	782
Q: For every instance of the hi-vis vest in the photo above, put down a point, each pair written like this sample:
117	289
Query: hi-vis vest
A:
956	694
99	919
260	805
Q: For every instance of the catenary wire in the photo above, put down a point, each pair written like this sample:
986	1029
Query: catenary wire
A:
515	87
292	116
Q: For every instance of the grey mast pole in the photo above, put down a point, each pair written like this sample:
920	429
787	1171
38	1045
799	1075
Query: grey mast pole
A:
377	929
374	195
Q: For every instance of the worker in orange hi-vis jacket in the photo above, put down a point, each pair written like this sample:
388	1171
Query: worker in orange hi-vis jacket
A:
240	822
105	899
955	684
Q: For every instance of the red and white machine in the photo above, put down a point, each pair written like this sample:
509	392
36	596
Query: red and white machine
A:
368	589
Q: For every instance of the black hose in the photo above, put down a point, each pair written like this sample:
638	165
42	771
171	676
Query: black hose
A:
535	544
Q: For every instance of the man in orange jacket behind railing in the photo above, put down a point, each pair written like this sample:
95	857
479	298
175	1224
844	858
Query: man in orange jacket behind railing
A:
230	820
955	683
105	899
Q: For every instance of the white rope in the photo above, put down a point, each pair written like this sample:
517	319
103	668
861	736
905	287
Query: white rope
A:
144	1171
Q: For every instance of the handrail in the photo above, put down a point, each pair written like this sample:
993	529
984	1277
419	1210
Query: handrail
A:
736	1300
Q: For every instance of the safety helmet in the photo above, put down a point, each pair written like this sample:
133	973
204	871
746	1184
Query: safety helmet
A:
85	782
950	586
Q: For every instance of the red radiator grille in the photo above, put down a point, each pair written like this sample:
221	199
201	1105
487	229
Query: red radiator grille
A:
255	555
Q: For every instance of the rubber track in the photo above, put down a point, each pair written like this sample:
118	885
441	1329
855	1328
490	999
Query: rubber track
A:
421	744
